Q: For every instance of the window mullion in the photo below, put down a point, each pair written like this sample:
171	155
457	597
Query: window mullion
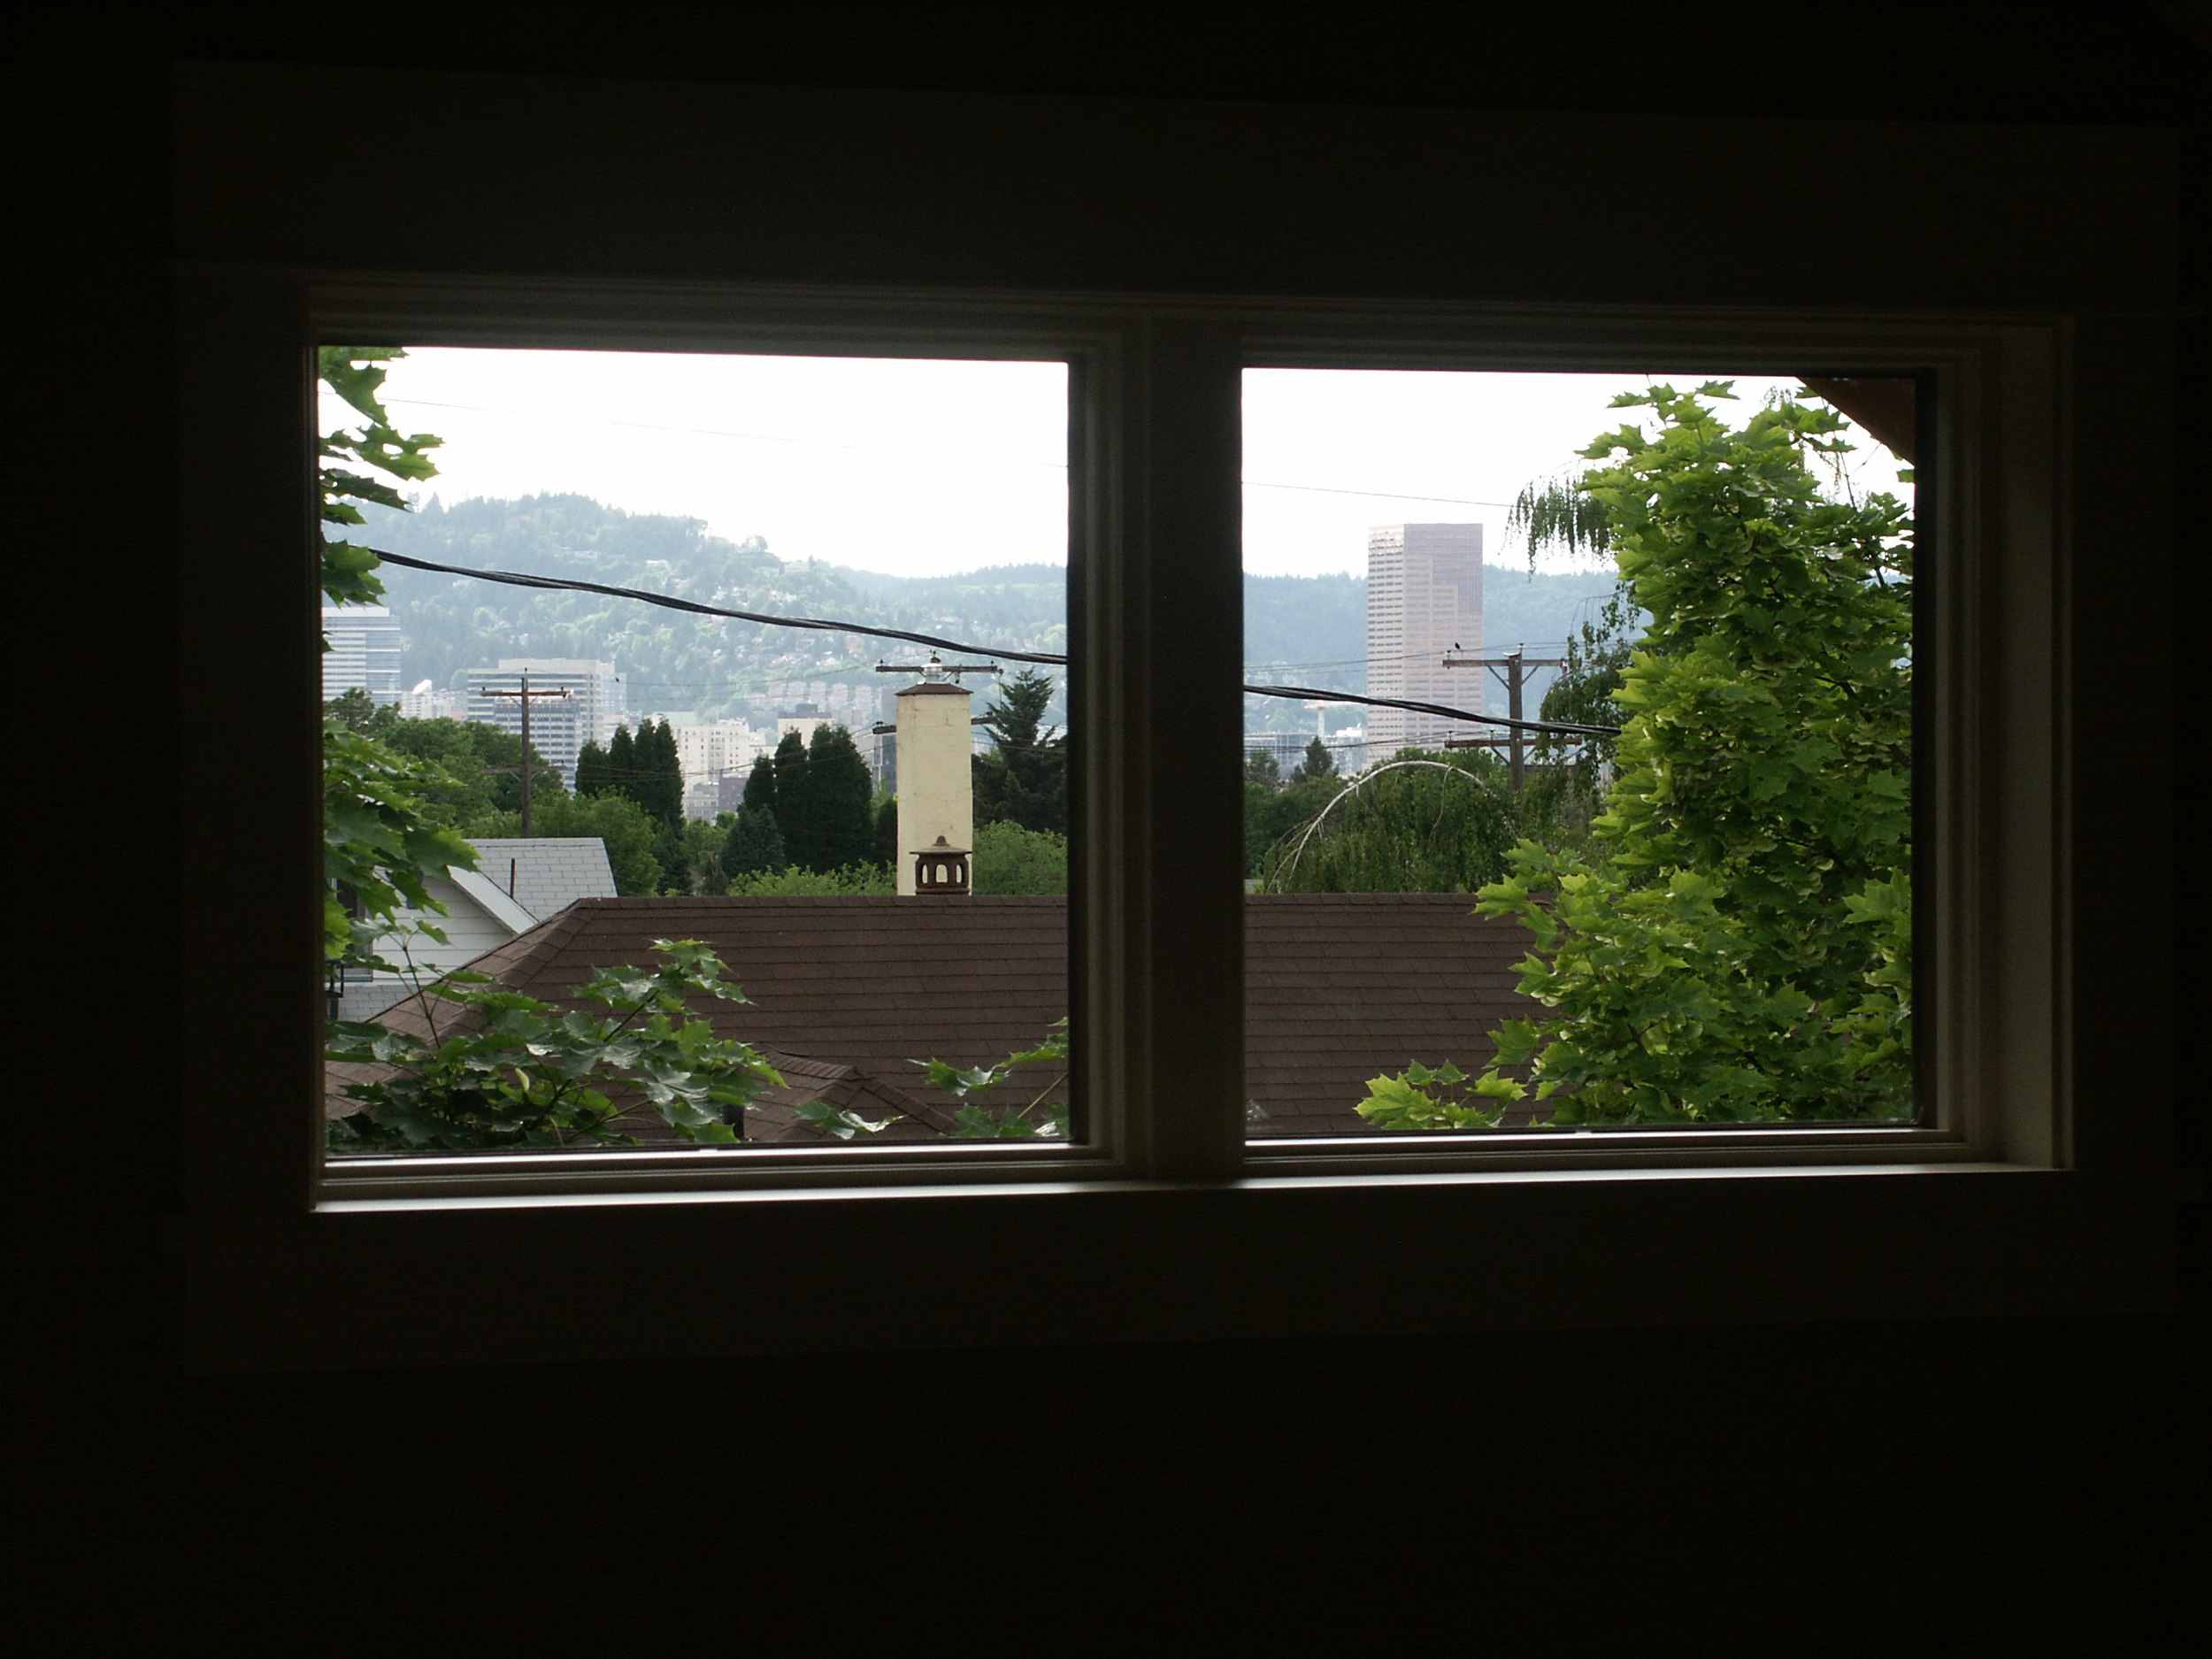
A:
1177	893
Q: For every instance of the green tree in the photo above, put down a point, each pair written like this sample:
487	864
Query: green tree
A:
791	802
1271	816
1024	778
1419	822
841	801
632	838
658	783
380	844
1010	859
793	881
752	844
760	784
1735	944
1261	768
883	845
593	769
622	767
1317	764
510	1071
1568	775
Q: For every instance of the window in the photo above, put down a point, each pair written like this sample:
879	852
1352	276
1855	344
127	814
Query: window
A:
1156	1226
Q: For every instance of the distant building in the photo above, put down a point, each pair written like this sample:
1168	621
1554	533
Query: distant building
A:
803	721
515	885
426	702
1424	603
364	653
559	727
712	753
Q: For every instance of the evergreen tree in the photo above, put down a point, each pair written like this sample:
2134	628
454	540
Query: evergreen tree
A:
754	844
1318	764
621	764
674	854
1261	768
840	789
792	803
760	784
886	849
593	769
658	784
1024	780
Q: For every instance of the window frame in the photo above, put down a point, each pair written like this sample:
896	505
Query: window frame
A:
1158	985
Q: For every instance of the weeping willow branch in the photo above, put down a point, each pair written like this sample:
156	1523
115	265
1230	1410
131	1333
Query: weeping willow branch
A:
1556	512
1289	866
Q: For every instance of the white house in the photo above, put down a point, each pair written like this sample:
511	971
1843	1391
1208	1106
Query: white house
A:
517	884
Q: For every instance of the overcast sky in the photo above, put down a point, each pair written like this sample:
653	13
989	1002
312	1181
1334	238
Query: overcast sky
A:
920	467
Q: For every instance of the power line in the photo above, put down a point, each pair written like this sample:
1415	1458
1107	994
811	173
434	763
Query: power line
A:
1049	658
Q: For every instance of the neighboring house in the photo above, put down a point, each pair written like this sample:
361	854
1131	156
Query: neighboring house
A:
517	884
847	994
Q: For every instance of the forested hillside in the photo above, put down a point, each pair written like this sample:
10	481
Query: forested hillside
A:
717	668
1300	629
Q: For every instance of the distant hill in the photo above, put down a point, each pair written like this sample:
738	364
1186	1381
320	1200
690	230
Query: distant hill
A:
1308	630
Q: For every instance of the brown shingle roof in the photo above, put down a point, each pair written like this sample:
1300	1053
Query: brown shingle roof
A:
847	992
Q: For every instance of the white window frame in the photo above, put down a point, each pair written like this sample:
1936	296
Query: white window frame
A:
1164	1222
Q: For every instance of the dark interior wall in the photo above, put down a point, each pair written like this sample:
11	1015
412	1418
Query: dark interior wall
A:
1854	1468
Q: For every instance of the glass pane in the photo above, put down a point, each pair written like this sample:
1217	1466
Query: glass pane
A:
637	850
1578	780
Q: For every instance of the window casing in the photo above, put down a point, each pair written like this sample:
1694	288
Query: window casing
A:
1153	517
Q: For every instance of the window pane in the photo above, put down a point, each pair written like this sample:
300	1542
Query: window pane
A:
1643	855
727	879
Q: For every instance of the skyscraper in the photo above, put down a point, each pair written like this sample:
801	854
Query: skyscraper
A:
559	727
364	653
1424	601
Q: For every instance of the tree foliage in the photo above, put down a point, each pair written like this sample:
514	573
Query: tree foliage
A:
380	845
1735	943
510	1070
1024	778
822	798
1010	859
632	840
481	762
795	881
752	843
1419	822
1568	775
1274	813
978	1116
1317	764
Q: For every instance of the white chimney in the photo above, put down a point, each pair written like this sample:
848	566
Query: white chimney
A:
936	782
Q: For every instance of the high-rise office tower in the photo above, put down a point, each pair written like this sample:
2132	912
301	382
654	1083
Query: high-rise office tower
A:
1424	603
364	653
559	727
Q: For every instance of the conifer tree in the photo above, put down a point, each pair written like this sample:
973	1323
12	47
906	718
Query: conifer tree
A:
621	764
592	770
754	844
659	786
760	784
1024	780
841	791
884	849
1317	763
794	805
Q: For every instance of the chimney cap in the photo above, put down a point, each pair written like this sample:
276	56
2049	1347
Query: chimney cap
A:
941	848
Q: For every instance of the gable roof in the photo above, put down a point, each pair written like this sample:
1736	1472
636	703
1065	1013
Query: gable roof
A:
847	993
546	874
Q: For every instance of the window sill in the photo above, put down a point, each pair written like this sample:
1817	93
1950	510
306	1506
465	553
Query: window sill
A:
428	1281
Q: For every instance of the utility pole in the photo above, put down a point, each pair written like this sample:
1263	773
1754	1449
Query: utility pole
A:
1512	673
526	769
